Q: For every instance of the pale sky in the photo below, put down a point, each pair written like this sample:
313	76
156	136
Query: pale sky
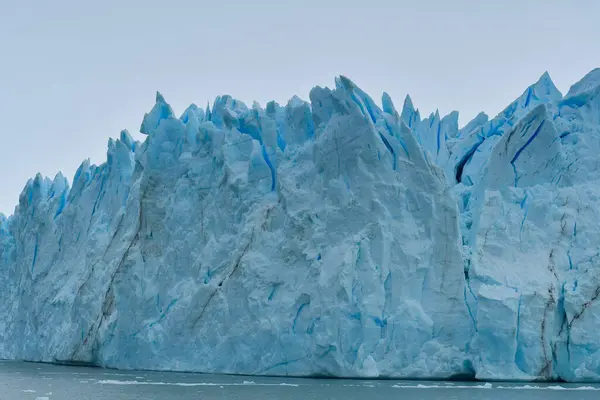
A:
75	72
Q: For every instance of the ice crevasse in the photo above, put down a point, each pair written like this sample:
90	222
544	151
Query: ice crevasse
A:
336	237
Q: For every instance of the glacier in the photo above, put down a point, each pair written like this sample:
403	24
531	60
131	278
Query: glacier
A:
335	237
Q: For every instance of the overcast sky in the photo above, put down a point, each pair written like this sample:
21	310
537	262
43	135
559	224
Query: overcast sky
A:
74	73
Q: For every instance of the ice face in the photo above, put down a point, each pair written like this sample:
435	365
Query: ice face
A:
523	225
472	153
335	237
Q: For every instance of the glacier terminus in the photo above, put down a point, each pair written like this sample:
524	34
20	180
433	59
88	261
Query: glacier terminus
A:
339	237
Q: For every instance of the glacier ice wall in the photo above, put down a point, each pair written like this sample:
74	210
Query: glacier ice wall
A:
333	238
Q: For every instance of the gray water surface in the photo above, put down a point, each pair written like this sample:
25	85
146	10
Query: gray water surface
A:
50	382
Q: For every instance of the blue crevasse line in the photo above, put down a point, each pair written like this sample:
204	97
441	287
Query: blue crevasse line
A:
523	201
468	283
35	253
61	205
357	101
495	130
354	316
575	283
471	290
564	134
329	350
370	111
466	158
397	137
519	356
466	198
164	313
268	161
273	292
298	315
469	309
415	118
523	221
280	142
389	147
527	125
518	153
160	318
528	99
575	229
526	208
570	259
380	322
208	276
514	167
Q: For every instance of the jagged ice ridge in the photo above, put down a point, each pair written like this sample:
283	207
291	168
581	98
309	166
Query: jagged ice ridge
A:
334	238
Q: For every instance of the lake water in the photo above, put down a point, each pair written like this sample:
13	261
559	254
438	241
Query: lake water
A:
49	382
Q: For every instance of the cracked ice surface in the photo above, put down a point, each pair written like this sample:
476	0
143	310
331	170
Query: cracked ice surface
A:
295	243
326	238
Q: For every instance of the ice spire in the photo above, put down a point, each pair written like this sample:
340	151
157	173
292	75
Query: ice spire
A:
161	110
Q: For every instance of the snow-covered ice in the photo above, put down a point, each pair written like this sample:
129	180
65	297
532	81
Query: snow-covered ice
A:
335	238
